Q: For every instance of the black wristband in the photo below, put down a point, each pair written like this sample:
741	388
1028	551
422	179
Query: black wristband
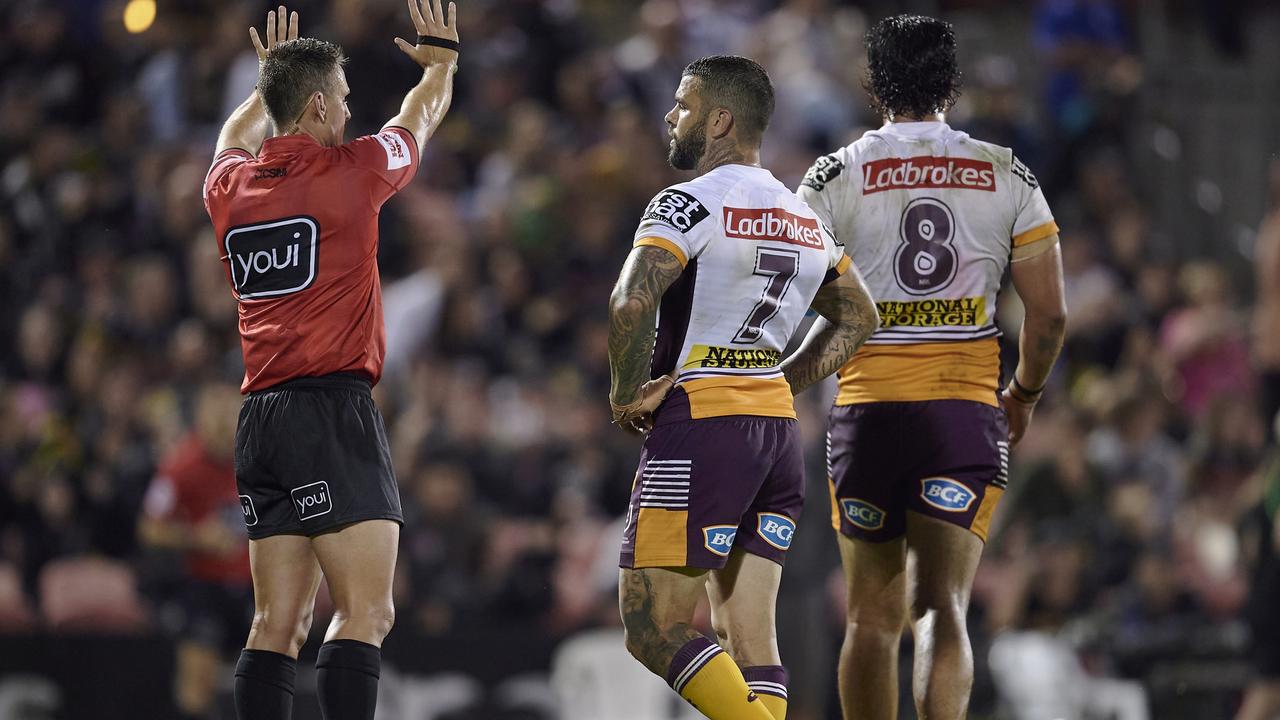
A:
1028	394
434	41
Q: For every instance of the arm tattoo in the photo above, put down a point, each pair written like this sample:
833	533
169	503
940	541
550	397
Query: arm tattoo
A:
651	645
1038	349
633	309
851	318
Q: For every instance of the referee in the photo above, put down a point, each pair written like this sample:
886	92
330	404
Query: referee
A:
297	227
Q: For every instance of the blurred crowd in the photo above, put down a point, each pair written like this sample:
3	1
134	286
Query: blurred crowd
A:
118	377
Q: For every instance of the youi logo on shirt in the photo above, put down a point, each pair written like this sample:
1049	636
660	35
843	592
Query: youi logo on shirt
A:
273	258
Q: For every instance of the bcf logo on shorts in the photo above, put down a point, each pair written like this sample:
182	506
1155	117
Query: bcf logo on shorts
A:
775	529
946	494
862	514
719	538
312	500
250	514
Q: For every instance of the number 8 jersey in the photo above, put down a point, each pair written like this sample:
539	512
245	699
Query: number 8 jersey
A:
932	218
754	256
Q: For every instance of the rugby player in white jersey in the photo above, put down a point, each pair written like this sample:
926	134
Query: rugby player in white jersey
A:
920	433
723	269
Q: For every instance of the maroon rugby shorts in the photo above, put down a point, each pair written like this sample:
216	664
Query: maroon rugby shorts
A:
946	459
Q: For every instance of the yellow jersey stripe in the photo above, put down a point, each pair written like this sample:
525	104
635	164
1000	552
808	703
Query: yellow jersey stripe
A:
1032	249
1038	232
736	395
665	244
963	370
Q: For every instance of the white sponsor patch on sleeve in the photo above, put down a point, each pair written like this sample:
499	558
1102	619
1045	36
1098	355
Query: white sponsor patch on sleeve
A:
397	151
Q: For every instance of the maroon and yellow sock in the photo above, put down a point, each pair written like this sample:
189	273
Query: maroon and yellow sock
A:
708	678
770	683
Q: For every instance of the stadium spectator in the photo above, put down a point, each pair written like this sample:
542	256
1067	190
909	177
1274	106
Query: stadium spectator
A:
192	508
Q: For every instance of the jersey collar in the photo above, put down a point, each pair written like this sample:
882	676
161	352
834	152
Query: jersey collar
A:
287	143
923	127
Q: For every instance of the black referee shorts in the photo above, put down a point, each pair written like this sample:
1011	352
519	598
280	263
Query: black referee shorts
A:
1264	598
312	455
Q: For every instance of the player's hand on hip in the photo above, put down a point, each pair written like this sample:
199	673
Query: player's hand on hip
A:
636	417
281	26
1019	414
437	37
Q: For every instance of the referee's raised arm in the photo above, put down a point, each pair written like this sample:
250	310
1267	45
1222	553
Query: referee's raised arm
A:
436	51
296	221
249	123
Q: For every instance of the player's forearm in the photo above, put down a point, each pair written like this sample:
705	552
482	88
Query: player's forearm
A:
631	333
1039	343
425	106
849	317
633	318
247	126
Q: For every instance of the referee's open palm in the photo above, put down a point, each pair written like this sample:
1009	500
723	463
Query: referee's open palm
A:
281	26
433	25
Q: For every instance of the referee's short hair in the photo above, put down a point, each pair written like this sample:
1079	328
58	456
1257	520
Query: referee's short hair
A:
293	72
739	85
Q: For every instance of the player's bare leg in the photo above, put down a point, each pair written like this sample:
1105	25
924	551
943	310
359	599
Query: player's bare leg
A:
876	578
359	563
946	559
657	607
1261	701
744	598
285	580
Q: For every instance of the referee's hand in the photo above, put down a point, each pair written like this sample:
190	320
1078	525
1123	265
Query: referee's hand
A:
435	27
281	26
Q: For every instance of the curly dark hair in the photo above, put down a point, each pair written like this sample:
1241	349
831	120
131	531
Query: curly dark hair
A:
911	66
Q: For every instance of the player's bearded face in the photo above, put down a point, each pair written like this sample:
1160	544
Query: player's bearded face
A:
687	147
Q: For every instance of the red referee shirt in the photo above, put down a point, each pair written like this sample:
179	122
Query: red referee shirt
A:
297	227
192	487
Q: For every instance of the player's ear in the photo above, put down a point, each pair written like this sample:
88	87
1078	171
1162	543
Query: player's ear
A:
721	123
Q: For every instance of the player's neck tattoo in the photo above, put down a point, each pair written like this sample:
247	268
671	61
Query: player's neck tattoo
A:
723	151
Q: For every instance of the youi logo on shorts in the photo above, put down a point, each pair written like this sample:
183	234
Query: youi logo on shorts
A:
312	500
946	494
862	513
250	514
719	538
274	258
775	529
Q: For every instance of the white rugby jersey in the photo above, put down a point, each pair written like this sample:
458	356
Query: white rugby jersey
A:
754	256
932	218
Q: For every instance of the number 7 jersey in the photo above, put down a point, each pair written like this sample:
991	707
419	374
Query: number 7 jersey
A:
754	256
932	218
